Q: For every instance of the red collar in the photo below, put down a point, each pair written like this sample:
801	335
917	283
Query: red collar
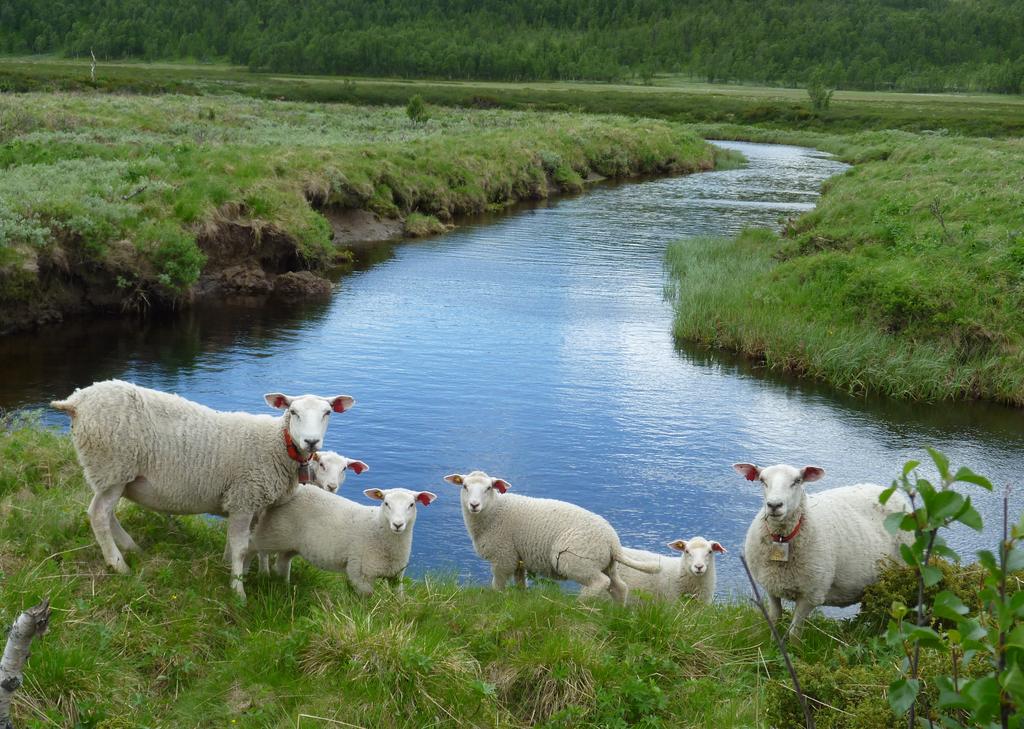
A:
789	537
293	453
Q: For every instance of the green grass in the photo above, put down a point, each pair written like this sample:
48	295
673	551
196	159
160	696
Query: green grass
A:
906	279
169	646
147	188
670	97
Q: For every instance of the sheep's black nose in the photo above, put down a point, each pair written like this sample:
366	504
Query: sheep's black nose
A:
774	505
311	443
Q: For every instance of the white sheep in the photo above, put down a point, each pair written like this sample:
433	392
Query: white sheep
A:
175	456
691	574
328	471
551	538
818	549
333	533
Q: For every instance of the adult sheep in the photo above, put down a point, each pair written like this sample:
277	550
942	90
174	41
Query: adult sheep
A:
551	538
175	456
691	574
822	549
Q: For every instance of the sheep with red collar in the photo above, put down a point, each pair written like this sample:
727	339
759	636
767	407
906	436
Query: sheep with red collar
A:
339	535
551	538
817	549
176	456
692	574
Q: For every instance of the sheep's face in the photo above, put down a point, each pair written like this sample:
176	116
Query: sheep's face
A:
478	490
698	553
783	486
331	469
398	506
306	417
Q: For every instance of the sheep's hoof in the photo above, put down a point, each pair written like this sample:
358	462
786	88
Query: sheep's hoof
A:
121	567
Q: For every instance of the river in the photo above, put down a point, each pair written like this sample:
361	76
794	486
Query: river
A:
537	346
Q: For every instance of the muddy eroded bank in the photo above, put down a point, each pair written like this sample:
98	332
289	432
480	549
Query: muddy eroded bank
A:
132	205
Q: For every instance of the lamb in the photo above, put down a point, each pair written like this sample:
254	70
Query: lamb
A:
333	533
328	470
822	549
331	469
175	456
551	538
692	574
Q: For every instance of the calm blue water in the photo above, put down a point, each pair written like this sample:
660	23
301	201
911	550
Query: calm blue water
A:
537	346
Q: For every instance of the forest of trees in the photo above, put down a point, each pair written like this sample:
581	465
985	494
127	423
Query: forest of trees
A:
912	45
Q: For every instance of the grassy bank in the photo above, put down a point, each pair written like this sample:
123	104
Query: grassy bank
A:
906	279
126	200
169	646
667	97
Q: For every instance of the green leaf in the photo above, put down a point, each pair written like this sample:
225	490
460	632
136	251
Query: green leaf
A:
931	575
924	635
941	462
908	555
886	494
902	693
945	504
910	466
949	606
1013	681
1015	637
968	476
970	517
984	692
893	523
1015	560
949	698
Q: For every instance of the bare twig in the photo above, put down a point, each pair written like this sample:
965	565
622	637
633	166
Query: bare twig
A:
92	68
1004	556
808	716
130	195
29	624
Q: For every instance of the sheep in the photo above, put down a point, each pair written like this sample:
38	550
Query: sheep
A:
551	538
333	533
331	469
328	470
692	574
172	455
822	549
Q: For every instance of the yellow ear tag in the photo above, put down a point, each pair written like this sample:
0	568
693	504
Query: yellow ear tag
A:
779	552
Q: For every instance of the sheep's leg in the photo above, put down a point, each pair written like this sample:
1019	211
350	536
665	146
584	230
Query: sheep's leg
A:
264	558
101	510
803	608
520	575
398	581
774	608
122	539
283	565
618	588
598	586
500	575
357	578
239	531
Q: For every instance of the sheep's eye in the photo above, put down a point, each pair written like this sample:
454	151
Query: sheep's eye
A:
411	505
464	488
293	413
387	504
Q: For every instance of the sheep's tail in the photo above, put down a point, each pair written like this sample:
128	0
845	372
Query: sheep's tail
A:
651	568
66	406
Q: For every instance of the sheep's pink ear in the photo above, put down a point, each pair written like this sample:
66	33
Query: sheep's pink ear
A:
374	494
716	547
357	466
501	484
425	497
679	545
748	470
277	400
454	478
811	473
341	403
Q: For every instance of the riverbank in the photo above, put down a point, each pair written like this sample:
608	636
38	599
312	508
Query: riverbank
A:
907	278
667	98
132	203
169	644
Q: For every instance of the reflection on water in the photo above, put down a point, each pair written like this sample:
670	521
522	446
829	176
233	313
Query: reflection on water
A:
538	347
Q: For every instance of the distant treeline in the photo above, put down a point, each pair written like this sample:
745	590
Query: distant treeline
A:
911	45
